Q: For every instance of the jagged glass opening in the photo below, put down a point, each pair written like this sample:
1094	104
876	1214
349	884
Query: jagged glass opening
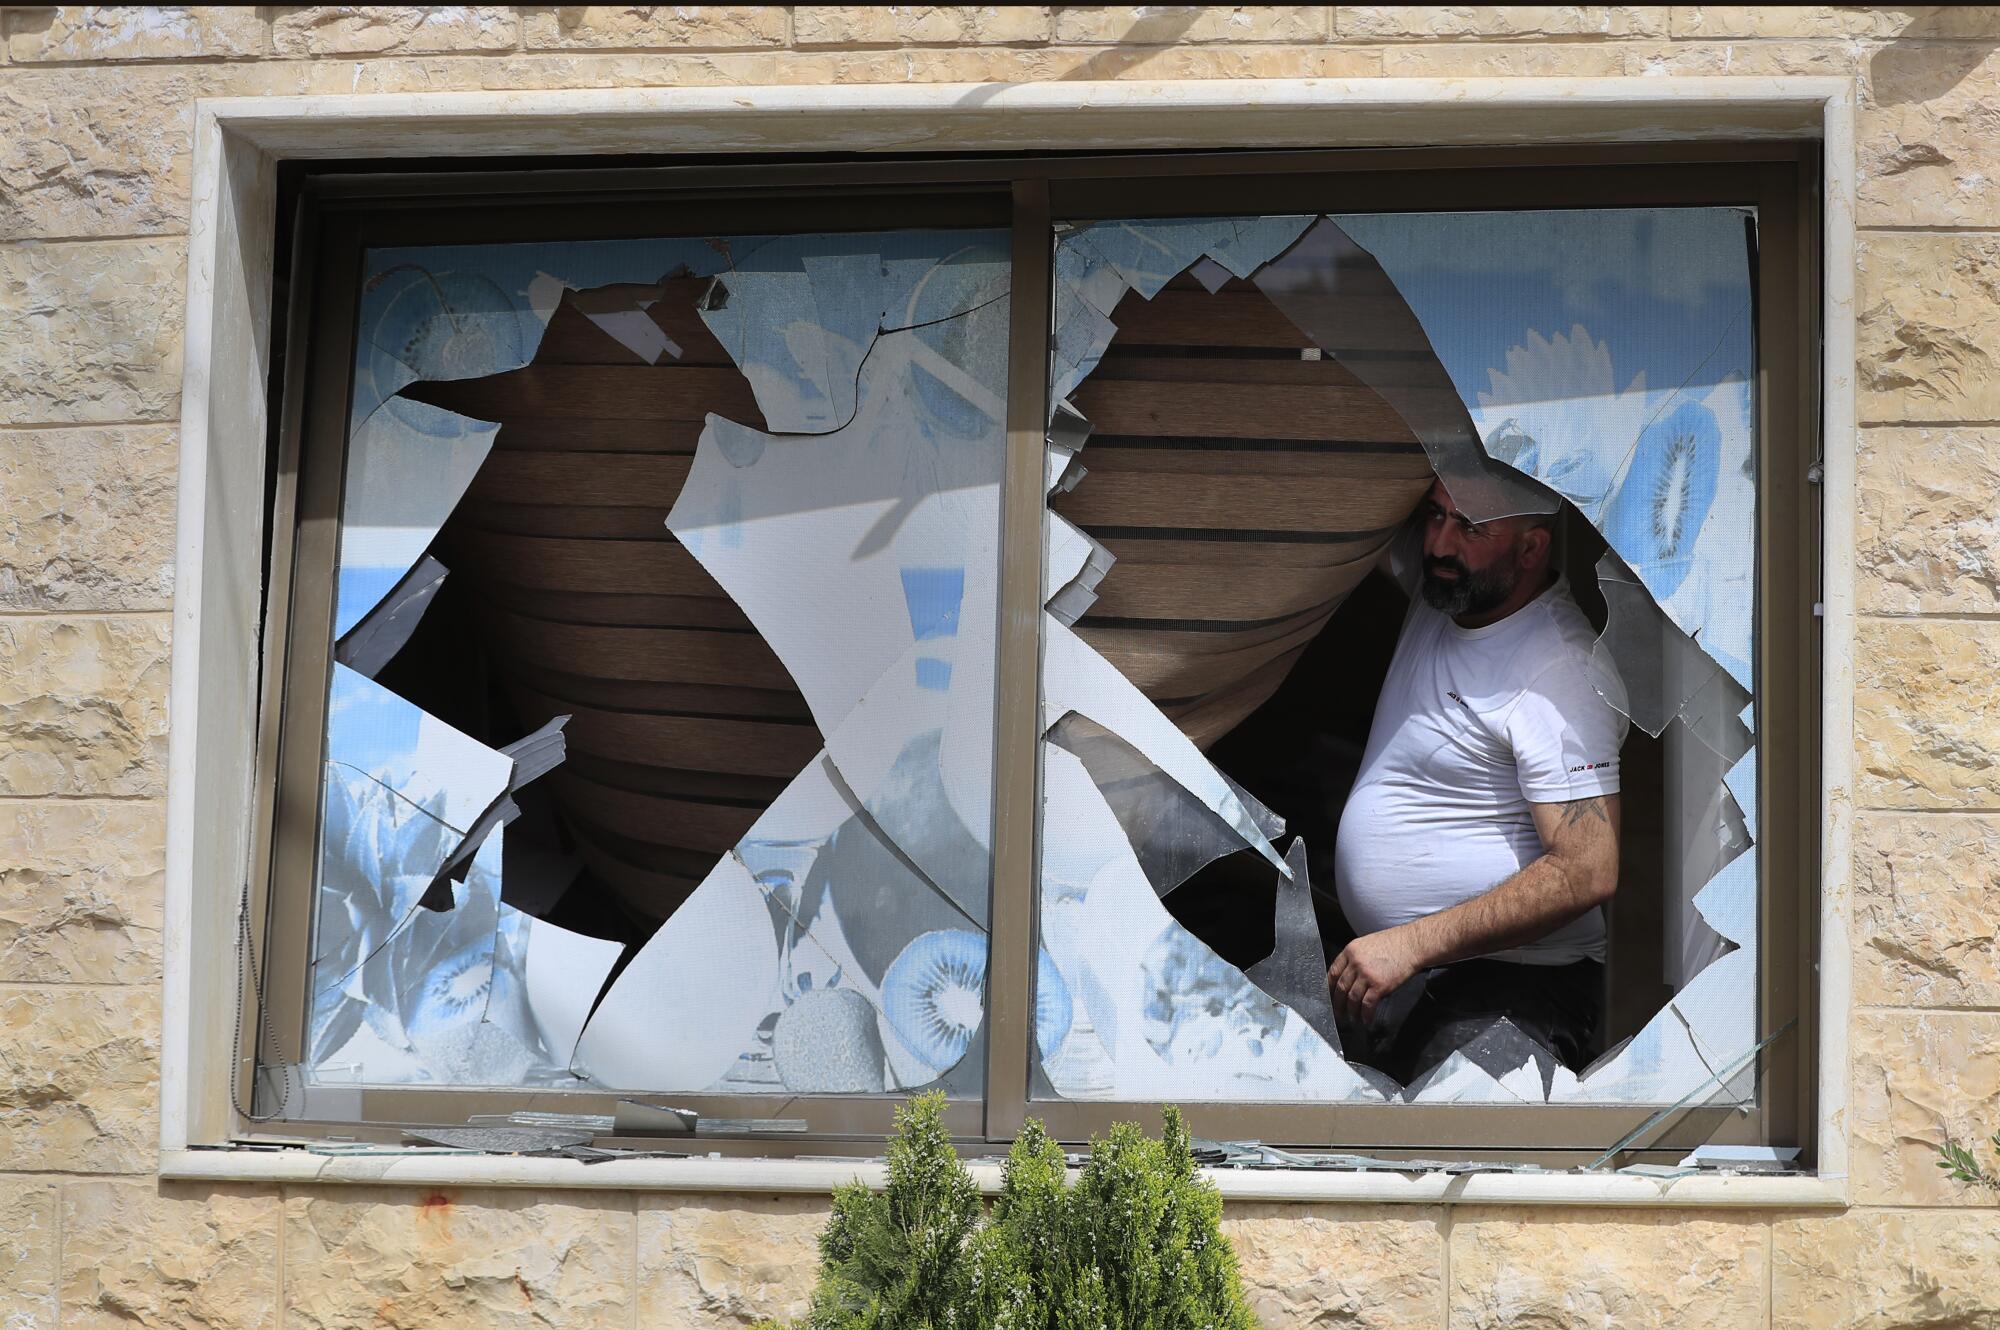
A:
659	744
1244	413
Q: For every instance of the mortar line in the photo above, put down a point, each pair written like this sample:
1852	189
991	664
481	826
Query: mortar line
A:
145	1173
1770	1272
55	1292
37	426
1446	1220
93	239
1884	1208
61	614
1927	228
1715	39
1905	422
1334	36
284	1202
634	1285
82	799
1931	616
1888	1009
1603	39
1337	39
275	61
1982	811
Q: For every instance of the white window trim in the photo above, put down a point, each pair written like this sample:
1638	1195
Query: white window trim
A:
238	143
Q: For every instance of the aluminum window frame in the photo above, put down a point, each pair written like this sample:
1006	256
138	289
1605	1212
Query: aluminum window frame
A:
349	210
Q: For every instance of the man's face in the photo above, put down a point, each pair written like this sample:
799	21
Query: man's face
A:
1469	567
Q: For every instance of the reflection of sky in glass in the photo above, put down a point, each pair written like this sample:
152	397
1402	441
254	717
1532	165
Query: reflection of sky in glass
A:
362	584
380	735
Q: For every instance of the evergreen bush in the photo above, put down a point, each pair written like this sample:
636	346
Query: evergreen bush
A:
1135	1243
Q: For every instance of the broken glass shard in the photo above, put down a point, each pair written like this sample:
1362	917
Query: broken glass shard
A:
1295	971
1172	833
1077	679
373	642
1155	1012
562	974
818	913
877	359
532	758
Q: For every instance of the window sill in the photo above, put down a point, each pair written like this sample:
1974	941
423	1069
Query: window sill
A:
819	1177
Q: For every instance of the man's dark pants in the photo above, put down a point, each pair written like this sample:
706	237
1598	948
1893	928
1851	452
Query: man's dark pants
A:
1443	1010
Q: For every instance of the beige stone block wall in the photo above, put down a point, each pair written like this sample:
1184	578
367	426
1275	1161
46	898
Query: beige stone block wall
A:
1660	1271
357	1258
96	112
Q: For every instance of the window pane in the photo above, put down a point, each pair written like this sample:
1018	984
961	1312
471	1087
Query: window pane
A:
658	743
1247	418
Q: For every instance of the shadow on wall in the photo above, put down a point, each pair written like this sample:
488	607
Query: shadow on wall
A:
1913	67
1148	38
1145	40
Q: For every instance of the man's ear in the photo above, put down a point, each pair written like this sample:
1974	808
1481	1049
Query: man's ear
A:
1535	546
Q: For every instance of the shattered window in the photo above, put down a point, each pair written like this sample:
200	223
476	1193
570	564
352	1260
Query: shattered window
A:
1247	418
653	624
657	751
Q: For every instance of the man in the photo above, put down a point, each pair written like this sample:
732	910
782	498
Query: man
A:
1481	837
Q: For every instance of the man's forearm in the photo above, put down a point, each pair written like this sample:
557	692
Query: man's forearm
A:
1530	905
1578	870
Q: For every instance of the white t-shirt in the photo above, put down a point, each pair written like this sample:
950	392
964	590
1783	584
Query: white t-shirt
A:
1475	724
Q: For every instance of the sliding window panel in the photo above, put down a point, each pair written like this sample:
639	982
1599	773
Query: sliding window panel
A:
1247	417
656	743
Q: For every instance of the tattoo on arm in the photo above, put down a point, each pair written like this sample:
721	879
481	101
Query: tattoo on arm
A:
1577	870
1580	811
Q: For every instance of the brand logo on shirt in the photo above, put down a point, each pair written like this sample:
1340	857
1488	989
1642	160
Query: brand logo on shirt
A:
1594	766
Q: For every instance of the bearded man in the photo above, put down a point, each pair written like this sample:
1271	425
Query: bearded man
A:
1481	837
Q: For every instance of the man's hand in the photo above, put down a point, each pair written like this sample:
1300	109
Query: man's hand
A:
1370	968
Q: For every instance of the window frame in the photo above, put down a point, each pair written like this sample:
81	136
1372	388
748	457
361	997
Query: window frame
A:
341	212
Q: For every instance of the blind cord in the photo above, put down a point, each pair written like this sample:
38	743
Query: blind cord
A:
247	968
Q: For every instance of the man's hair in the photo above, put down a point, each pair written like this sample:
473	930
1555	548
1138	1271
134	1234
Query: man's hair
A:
1554	524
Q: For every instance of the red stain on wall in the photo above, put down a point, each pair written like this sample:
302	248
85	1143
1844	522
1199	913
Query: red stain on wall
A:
434	1217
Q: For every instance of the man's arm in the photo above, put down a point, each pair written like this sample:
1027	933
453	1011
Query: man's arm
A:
1578	870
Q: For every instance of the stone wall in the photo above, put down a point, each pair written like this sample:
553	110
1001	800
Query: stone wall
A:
96	109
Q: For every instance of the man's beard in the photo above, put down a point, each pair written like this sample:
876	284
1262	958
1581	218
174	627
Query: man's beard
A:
1468	593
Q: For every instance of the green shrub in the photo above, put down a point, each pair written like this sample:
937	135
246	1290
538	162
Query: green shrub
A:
898	1259
1134	1243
